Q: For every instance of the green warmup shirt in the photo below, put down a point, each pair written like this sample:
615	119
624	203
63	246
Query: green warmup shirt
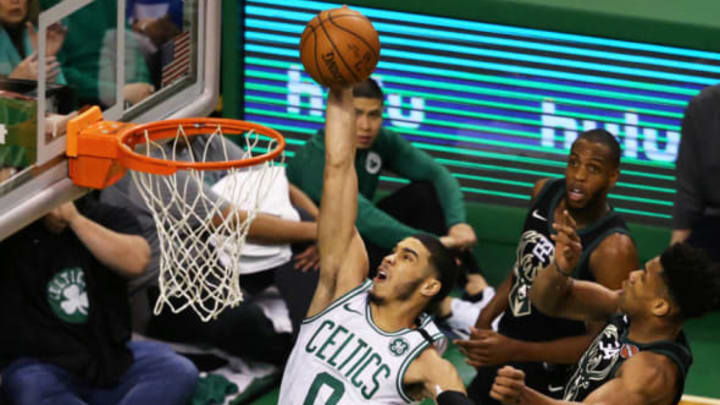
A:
390	152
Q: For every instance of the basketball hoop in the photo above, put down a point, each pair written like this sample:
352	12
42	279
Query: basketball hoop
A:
193	229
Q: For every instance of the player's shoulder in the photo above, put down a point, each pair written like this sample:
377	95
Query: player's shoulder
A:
651	374
616	245
539	186
433	372
427	364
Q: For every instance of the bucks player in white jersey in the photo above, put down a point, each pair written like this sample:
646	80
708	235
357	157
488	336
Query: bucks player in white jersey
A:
366	341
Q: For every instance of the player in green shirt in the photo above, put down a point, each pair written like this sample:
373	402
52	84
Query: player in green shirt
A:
432	203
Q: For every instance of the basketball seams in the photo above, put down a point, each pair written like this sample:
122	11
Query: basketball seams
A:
339	54
332	20
340	50
315	56
309	29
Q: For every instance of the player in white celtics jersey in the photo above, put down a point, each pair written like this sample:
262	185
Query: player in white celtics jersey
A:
367	341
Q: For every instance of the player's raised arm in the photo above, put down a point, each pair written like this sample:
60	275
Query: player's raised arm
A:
343	260
646	379
555	293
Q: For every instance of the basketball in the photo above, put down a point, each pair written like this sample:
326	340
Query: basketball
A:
339	47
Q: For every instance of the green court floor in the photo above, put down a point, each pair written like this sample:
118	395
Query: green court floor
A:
704	336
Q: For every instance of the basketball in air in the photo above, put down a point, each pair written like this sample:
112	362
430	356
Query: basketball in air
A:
339	47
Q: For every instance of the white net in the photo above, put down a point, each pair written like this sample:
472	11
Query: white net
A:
202	236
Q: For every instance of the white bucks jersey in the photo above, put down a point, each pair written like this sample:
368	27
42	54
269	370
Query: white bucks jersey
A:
341	357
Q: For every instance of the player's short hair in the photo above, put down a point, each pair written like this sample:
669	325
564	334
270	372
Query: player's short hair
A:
692	279
443	263
368	88
606	138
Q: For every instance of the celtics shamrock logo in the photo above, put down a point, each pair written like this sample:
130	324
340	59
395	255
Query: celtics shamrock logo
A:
67	295
399	346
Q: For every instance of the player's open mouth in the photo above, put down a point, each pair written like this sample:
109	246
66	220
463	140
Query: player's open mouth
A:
381	275
575	194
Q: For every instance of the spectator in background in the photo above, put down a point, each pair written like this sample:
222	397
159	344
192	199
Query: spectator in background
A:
432	203
140	13
65	314
18	42
245	330
86	66
160	20
696	214
155	22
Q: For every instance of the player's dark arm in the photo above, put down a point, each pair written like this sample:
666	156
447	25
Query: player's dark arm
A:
496	306
555	293
613	260
343	260
645	379
490	348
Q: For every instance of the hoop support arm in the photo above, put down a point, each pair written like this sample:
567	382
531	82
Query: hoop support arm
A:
92	150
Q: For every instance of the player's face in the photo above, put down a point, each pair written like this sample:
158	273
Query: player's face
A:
13	12
405	274
589	174
644	290
368	119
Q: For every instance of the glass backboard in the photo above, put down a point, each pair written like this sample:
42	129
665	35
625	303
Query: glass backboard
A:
138	62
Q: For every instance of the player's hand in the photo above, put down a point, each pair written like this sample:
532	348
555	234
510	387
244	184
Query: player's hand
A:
509	386
308	259
54	38
568	247
487	348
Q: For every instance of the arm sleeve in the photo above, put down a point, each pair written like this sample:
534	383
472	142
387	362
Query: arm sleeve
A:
453	398
417	165
688	198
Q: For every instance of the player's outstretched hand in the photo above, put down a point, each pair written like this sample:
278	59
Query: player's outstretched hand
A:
487	348
509	386
568	247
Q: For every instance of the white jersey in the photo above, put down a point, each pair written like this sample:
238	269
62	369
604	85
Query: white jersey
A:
342	358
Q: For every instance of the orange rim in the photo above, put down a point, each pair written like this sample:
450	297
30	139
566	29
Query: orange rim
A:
135	135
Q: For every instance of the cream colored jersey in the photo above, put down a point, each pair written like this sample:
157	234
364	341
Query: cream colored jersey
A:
342	358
